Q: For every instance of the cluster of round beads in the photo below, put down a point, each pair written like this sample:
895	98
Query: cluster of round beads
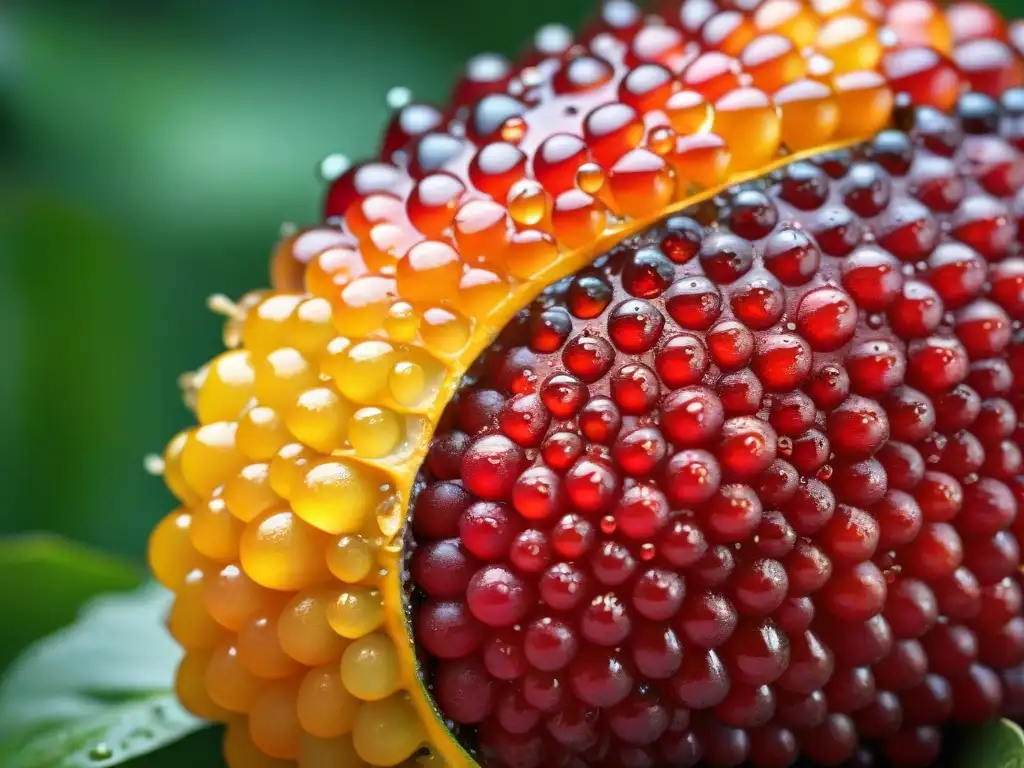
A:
285	552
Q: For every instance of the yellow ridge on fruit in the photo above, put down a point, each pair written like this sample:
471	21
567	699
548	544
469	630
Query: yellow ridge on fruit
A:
286	555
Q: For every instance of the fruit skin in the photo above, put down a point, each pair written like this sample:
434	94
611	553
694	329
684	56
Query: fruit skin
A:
295	484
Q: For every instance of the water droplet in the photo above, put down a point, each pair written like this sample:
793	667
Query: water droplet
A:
590	178
527	203
332	166
100	752
390	517
531	76
398	97
661	140
513	130
154	464
888	37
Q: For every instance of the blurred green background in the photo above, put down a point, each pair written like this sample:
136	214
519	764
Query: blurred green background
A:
149	152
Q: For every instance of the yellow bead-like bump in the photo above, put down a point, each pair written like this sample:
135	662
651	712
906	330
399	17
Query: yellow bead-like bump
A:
791	18
189	621
190	687
231	596
310	327
810	115
281	551
363	305
444	331
402	323
248	493
430	268
210	457
329	753
688	112
241	752
266	325
261	433
289	466
407	382
304	632
282	376
361	371
374	432
171	554
260	649
351	559
215	531
320	419
369	667
230	685
227	387
851	42
335	358
387	732
326	707
338	495
173	476
865	103
274	722
751	126
357	611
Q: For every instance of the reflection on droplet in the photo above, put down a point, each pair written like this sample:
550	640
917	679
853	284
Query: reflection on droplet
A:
333	166
398	97
390	517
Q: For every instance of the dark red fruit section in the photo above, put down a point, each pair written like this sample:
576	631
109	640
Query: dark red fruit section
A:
746	489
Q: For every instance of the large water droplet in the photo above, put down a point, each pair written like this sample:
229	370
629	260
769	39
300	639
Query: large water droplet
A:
100	752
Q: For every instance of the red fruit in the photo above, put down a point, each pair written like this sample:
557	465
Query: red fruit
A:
746	487
443	568
448	630
497	596
463	689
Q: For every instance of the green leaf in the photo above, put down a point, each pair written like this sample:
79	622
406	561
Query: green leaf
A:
994	745
97	693
47	579
112	736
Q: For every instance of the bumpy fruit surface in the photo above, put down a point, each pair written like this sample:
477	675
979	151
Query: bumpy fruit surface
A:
655	403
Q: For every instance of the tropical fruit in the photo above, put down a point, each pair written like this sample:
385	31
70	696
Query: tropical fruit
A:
653	403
